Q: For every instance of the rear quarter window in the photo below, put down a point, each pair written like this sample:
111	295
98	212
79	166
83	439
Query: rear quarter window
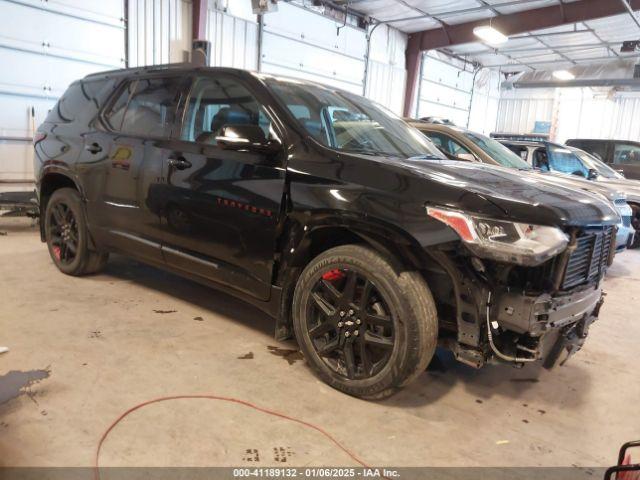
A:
81	96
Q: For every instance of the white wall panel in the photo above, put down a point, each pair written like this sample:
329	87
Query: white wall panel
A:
234	41
44	46
583	112
519	110
304	44
486	98
159	31
580	112
386	74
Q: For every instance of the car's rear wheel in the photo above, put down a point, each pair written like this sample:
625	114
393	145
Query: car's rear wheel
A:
67	236
364	328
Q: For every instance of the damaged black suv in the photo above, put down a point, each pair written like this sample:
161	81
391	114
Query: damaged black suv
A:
329	213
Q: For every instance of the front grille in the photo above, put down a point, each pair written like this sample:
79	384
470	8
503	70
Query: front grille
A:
626	221
590	258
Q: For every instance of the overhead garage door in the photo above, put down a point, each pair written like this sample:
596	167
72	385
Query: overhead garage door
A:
302	43
445	90
44	47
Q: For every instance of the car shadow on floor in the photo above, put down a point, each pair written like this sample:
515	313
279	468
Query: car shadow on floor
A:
184	290
443	375
566	386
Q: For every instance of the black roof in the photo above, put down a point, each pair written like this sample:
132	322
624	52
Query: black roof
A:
167	67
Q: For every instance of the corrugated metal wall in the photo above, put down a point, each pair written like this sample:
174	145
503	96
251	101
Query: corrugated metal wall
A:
44	46
159	31
573	112
590	113
386	74
519	110
234	40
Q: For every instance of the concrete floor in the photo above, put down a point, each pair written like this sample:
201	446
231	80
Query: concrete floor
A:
132	333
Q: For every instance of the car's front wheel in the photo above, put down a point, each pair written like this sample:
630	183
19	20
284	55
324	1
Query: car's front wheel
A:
364	328
67	235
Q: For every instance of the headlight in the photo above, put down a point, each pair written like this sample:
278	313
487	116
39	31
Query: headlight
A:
504	241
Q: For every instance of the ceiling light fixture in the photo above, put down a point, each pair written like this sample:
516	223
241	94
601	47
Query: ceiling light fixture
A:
563	75
490	35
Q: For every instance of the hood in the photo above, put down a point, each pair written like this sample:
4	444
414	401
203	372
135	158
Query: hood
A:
523	196
611	192
630	187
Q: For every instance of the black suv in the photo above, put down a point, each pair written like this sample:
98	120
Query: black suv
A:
332	215
621	155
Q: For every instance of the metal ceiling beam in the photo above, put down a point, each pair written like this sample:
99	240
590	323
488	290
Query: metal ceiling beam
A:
578	46
629	8
520	22
593	82
510	24
581	60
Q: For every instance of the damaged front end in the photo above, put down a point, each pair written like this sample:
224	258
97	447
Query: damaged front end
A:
493	310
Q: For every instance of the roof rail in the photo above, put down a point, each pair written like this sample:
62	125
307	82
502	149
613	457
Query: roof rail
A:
538	137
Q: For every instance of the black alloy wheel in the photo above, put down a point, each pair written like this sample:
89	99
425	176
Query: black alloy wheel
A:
365	327
350	324
67	236
64	233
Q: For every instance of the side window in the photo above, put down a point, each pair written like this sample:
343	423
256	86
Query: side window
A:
519	150
597	149
219	102
146	107
540	159
563	160
80	96
447	144
626	153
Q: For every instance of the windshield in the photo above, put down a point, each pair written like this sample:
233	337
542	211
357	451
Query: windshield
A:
498	151
351	123
599	166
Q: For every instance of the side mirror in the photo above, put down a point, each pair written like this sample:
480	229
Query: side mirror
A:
249	138
467	157
593	174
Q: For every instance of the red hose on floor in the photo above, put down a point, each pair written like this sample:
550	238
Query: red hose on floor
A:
224	399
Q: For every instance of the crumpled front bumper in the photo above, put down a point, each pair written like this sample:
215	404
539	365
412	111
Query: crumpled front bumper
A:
561	322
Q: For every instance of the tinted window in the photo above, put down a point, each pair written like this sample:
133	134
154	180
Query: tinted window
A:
541	159
497	151
519	150
218	102
597	149
146	107
80	96
626	153
593	163
350	123
447	144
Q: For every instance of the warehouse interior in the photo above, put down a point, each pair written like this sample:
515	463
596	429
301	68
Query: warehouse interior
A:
80	352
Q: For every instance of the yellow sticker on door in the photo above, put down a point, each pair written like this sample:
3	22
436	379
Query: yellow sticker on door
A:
122	157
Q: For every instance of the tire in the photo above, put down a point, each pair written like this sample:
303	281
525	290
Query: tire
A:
67	235
636	226
395	320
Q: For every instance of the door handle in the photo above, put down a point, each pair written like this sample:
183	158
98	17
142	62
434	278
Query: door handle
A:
179	163
93	148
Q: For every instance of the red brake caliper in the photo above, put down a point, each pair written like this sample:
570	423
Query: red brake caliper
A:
56	252
332	275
